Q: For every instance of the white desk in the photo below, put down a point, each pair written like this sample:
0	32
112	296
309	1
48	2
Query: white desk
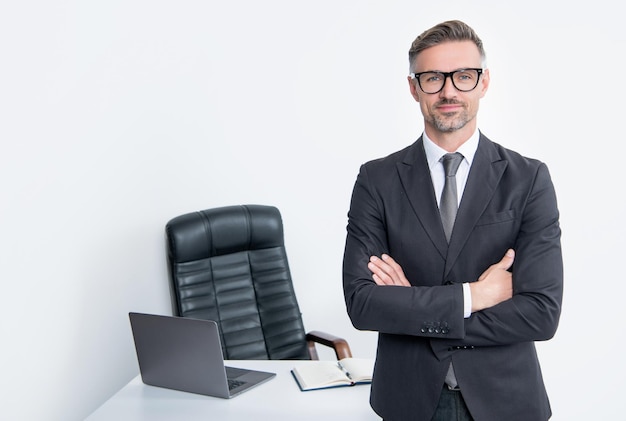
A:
279	399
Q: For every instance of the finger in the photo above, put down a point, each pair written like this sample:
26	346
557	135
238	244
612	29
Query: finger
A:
504	264
398	274
380	272
377	266
377	279
382	279
507	260
389	260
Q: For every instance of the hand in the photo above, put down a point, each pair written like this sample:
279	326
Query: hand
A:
385	271
495	285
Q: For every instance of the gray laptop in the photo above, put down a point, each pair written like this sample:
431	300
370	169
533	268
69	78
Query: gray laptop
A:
185	354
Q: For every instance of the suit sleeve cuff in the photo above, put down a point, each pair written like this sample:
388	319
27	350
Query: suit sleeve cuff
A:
467	300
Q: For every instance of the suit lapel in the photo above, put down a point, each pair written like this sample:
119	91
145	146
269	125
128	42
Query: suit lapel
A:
415	177
485	174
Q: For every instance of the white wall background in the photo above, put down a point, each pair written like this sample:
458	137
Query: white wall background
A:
116	116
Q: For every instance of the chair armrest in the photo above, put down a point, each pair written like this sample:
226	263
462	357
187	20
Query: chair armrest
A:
340	345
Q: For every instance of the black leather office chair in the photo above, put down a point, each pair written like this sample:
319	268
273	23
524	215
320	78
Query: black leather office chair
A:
229	264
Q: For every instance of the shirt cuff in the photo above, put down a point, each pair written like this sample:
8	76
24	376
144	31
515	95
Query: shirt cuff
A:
467	300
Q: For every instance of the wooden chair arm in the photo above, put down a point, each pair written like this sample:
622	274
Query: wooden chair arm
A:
340	345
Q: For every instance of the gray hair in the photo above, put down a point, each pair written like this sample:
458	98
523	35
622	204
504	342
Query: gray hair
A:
452	30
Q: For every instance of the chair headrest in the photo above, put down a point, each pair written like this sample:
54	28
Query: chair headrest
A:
223	230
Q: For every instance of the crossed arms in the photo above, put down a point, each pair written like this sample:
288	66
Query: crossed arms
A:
493	286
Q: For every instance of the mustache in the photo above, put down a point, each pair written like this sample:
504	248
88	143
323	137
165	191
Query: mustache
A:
448	102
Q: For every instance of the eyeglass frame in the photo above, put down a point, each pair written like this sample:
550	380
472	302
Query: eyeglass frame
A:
446	75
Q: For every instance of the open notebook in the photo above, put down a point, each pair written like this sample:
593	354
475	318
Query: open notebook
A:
326	374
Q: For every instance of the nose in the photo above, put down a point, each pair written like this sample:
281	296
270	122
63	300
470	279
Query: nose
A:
448	90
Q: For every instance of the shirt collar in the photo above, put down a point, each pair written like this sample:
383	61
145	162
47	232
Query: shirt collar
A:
467	149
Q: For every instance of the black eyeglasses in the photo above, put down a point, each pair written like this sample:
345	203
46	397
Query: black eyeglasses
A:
463	80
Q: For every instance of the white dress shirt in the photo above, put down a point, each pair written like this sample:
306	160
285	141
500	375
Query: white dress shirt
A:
437	175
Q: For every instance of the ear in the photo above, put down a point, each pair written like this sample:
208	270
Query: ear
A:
413	88
484	82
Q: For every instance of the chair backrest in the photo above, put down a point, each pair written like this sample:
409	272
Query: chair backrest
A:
229	264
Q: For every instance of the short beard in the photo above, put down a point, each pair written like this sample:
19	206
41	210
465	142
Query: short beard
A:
448	123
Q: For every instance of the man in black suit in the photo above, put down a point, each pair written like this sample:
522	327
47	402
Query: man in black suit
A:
457	309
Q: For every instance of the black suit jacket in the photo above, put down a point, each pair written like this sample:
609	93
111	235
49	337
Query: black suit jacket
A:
508	202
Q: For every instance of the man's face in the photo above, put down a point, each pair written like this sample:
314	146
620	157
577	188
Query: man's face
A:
449	110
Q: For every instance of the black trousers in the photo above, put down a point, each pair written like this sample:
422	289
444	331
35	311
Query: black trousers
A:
451	407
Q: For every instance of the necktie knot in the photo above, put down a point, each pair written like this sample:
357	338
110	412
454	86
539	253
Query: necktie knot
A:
451	162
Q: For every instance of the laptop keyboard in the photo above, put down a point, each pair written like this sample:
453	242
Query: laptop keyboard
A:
234	383
232	374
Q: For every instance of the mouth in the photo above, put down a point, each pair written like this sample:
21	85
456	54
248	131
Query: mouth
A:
449	107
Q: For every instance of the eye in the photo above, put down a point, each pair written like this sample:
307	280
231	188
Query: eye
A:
432	77
465	76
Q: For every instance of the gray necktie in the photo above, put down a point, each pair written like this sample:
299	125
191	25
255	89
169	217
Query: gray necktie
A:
448	206
449	203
